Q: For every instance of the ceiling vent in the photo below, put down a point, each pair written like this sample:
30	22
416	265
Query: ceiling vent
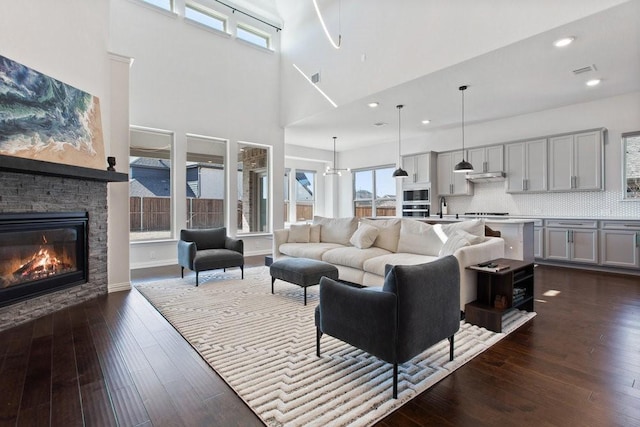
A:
586	69
315	79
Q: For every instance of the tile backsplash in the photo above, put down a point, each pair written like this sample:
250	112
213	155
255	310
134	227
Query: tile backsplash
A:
491	197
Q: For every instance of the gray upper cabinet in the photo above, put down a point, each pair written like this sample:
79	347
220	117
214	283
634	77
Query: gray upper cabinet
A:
449	182
487	159
526	166
418	167
575	162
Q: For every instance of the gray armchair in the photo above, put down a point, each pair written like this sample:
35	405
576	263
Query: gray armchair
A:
209	249
418	306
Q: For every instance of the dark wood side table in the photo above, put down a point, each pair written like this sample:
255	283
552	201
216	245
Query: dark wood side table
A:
519	276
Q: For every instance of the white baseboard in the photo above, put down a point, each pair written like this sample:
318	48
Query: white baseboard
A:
118	287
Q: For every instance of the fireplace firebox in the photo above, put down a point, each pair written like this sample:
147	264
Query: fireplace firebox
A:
41	253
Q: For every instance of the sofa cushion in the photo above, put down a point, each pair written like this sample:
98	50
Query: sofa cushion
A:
474	226
336	230
376	265
314	233
388	232
352	256
453	243
299	233
471	238
307	250
420	238
364	236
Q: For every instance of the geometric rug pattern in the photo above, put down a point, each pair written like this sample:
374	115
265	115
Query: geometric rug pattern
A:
263	346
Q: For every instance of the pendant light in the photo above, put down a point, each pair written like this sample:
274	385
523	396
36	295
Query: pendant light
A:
334	170
399	173
463	166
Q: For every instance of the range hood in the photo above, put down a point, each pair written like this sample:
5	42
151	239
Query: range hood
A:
486	176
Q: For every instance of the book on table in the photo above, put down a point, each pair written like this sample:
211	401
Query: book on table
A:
489	266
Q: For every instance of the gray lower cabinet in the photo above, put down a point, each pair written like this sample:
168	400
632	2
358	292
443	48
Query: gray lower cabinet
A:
574	241
538	239
619	242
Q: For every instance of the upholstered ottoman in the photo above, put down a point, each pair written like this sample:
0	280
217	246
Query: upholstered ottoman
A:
302	272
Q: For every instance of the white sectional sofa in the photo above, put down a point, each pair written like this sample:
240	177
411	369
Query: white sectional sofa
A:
360	249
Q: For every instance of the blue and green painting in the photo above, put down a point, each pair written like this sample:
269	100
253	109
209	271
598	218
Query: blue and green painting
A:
45	119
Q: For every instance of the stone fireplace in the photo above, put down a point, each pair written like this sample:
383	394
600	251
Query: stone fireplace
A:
26	196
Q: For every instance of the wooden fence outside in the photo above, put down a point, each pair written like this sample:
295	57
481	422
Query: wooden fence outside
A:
154	213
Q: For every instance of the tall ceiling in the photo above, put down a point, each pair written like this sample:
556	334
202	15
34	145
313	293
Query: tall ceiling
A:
527	75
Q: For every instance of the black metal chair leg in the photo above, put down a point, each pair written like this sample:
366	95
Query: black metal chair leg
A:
182	272
451	347
318	335
196	278
242	272
395	380
273	280
305	296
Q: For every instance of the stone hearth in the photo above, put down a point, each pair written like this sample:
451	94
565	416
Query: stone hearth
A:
39	193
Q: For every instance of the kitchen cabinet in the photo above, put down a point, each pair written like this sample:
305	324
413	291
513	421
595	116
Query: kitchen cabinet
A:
538	239
571	240
526	166
487	159
575	161
449	182
619	243
419	168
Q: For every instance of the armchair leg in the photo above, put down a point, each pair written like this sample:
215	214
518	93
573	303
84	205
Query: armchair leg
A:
305	295
273	280
395	380
242	272
182	272
318	335
196	279
451	347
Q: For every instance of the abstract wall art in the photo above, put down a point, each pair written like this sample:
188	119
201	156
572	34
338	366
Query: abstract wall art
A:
42	118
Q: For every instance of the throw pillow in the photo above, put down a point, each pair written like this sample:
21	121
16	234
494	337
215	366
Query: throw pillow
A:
472	239
336	230
388	232
420	238
452	244
314	233
364	236
299	233
474	226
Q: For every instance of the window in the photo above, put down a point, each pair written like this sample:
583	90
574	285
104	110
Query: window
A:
150	184
205	182
631	153
203	16
254	36
374	192
164	4
305	195
253	188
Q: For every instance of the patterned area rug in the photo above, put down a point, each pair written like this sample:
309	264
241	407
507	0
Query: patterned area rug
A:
263	345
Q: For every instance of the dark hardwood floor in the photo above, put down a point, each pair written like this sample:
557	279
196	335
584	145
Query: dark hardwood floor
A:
116	361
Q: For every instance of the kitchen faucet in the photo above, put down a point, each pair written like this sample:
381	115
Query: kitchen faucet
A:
443	206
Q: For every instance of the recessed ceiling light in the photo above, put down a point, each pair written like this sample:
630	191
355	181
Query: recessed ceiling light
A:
378	124
373	104
426	122
593	82
565	41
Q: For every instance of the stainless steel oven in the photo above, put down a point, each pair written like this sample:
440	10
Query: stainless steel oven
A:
416	202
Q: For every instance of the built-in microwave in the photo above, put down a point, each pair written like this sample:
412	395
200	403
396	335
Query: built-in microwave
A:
416	195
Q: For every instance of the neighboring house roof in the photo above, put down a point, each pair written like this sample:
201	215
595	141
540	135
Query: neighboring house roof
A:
149	187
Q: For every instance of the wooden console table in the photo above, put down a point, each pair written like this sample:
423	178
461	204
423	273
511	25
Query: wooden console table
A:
519	276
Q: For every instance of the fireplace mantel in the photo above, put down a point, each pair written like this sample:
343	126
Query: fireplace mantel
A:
38	167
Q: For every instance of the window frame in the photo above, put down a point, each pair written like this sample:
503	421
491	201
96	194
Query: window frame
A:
373	199
311	202
241	26
197	7
625	137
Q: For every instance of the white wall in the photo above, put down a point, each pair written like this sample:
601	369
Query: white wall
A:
618	114
190	80
69	41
